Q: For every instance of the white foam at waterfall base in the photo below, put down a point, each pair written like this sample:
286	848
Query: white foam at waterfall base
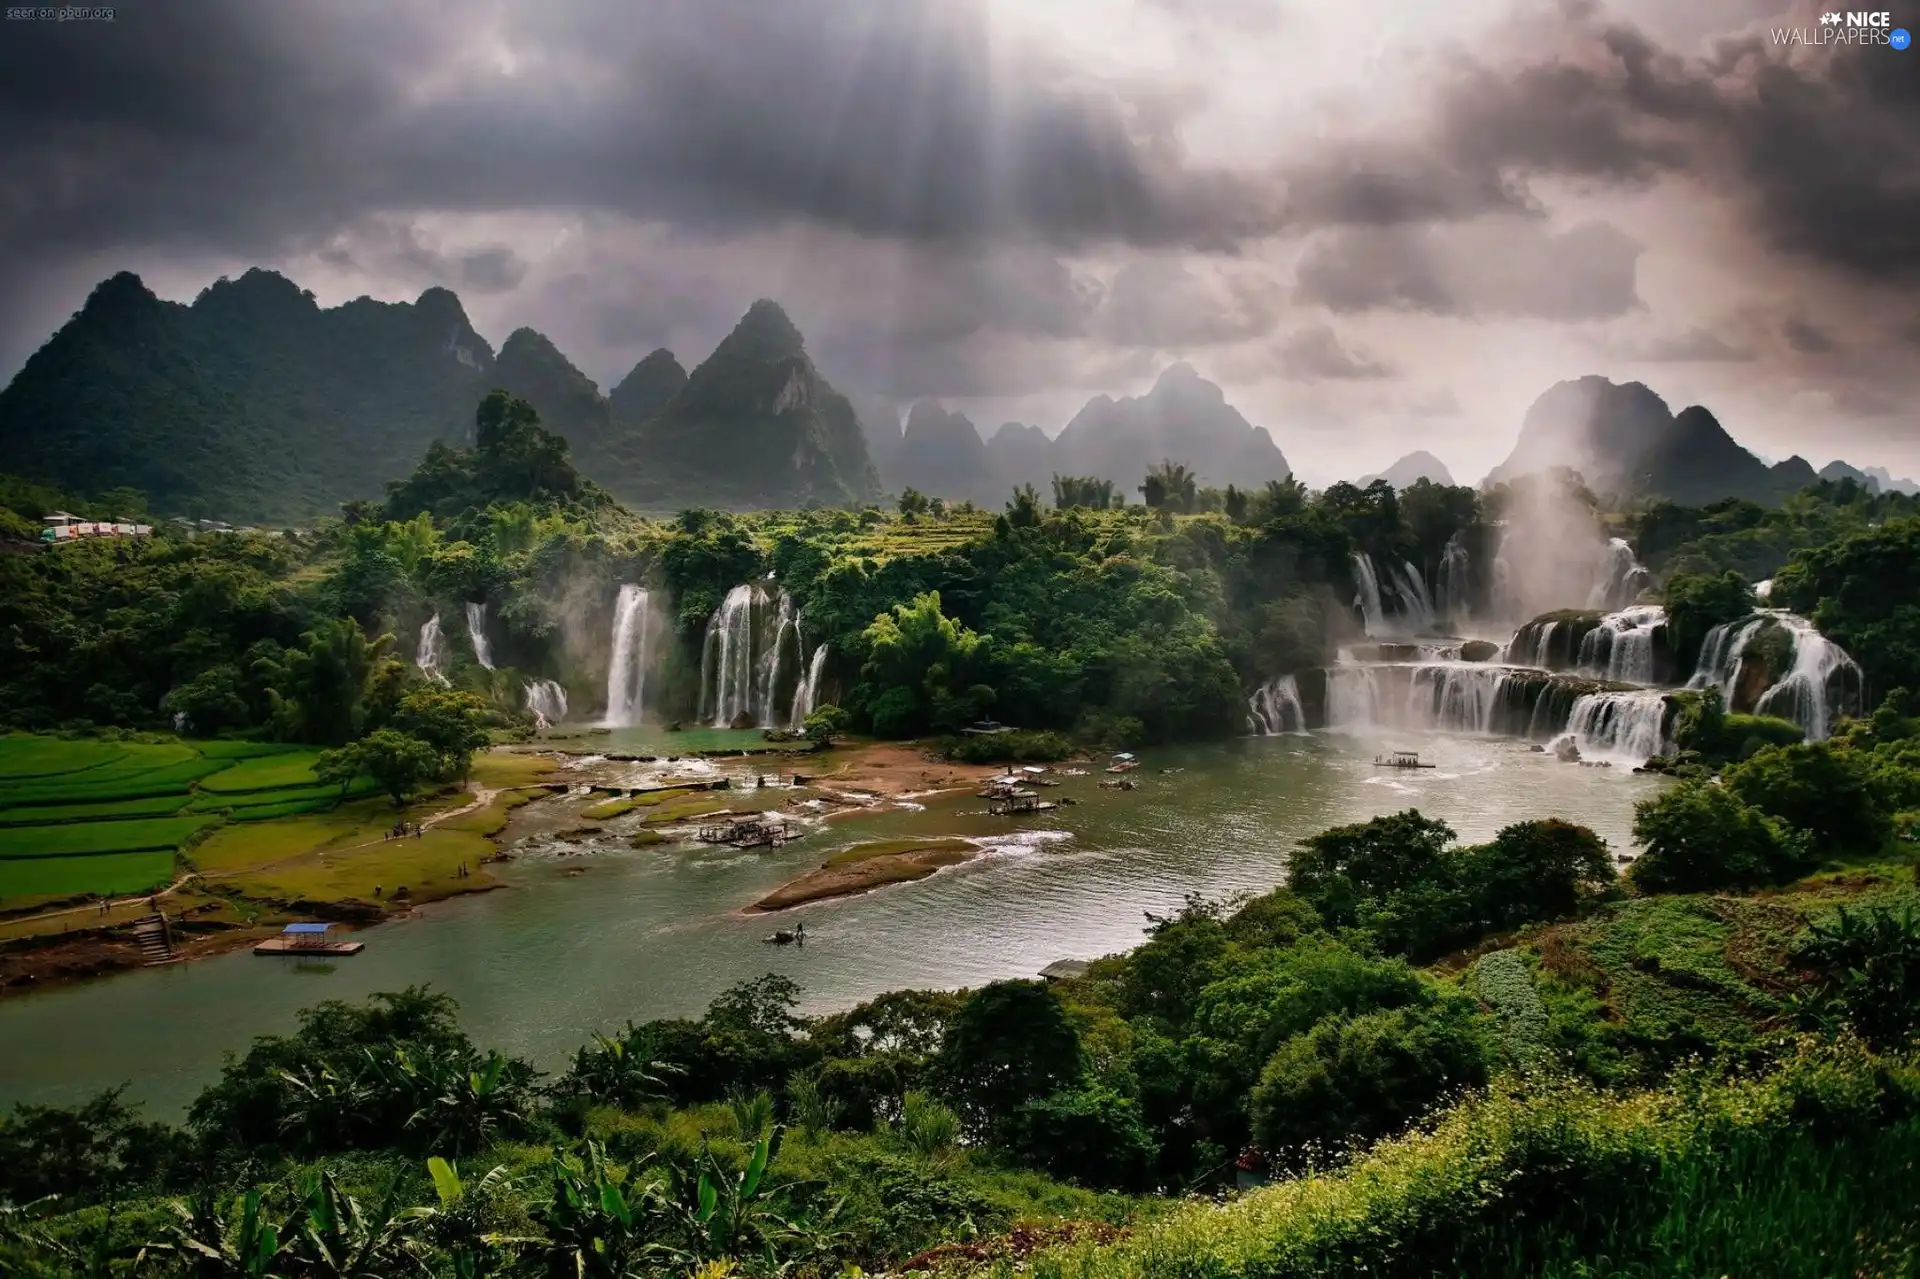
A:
627	667
1275	708
426	653
1621	647
1461	697
477	632
1625	727
548	702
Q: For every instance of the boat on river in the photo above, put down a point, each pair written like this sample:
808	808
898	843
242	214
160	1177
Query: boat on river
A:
1401	759
1123	763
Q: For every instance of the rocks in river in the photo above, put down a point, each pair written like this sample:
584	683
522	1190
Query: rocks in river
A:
1479	651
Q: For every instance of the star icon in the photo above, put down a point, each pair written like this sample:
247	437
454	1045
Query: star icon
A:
1829	19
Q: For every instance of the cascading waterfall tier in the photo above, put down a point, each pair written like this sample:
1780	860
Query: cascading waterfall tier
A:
1464	697
750	661
428	653
1274	708
627	667
806	694
1456	583
1412	607
1621	578
477	632
1622	647
1625	726
548	702
1822	683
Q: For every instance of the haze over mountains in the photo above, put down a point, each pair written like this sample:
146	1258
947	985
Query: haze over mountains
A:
256	403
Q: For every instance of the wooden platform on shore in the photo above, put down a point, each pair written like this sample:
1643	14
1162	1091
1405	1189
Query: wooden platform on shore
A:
281	946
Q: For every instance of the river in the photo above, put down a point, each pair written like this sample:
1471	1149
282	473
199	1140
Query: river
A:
584	943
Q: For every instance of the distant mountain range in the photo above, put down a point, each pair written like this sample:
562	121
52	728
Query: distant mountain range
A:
256	403
1625	441
1420	465
1184	418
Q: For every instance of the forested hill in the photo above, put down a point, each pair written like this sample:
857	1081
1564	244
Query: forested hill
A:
256	405
253	403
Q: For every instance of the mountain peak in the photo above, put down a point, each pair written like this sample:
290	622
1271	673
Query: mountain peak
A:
1409	470
764	333
647	387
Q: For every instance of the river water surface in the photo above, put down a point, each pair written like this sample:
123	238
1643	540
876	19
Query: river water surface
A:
584	943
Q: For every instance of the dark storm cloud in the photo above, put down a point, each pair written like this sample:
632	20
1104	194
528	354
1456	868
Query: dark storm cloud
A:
1496	267
1806	337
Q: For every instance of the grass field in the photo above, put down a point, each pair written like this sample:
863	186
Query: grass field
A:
73	876
265	772
26	757
80	838
52	814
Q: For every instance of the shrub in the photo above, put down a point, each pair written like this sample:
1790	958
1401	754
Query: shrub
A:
1700	837
1091	1135
1352	1080
1822	789
995	748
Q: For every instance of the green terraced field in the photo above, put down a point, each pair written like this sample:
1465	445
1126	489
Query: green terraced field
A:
28	757
86	787
111	810
72	876
244	750
84	838
266	772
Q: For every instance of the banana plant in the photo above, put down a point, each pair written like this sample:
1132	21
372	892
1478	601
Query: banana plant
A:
232	1242
602	1223
337	1238
457	1226
462	1110
33	1251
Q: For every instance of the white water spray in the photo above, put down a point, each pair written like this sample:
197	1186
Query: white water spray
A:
1274	708
806	694
548	702
1621	647
1621	726
427	653
627	667
1823	680
477	631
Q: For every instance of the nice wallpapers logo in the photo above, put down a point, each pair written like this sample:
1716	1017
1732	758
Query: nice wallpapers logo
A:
1847	29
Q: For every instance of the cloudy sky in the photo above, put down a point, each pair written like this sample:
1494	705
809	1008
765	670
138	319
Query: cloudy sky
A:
1380	226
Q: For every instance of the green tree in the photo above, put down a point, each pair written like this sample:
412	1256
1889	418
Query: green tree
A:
917	660
1825	790
1023	509
398	761
452	722
1339	868
1170	486
1696	603
825	723
913	504
1092	1135
212	701
1536	870
319	691
1699	837
1009	1043
1350	1081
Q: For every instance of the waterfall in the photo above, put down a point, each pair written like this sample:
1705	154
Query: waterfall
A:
1413	597
726	659
1763	590
477	631
766	671
548	702
1622	725
1531	646
744	661
1275	708
426	654
1456	582
1621	647
627	668
1463	697
1823	680
1368	600
806	694
1823	683
1621	577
